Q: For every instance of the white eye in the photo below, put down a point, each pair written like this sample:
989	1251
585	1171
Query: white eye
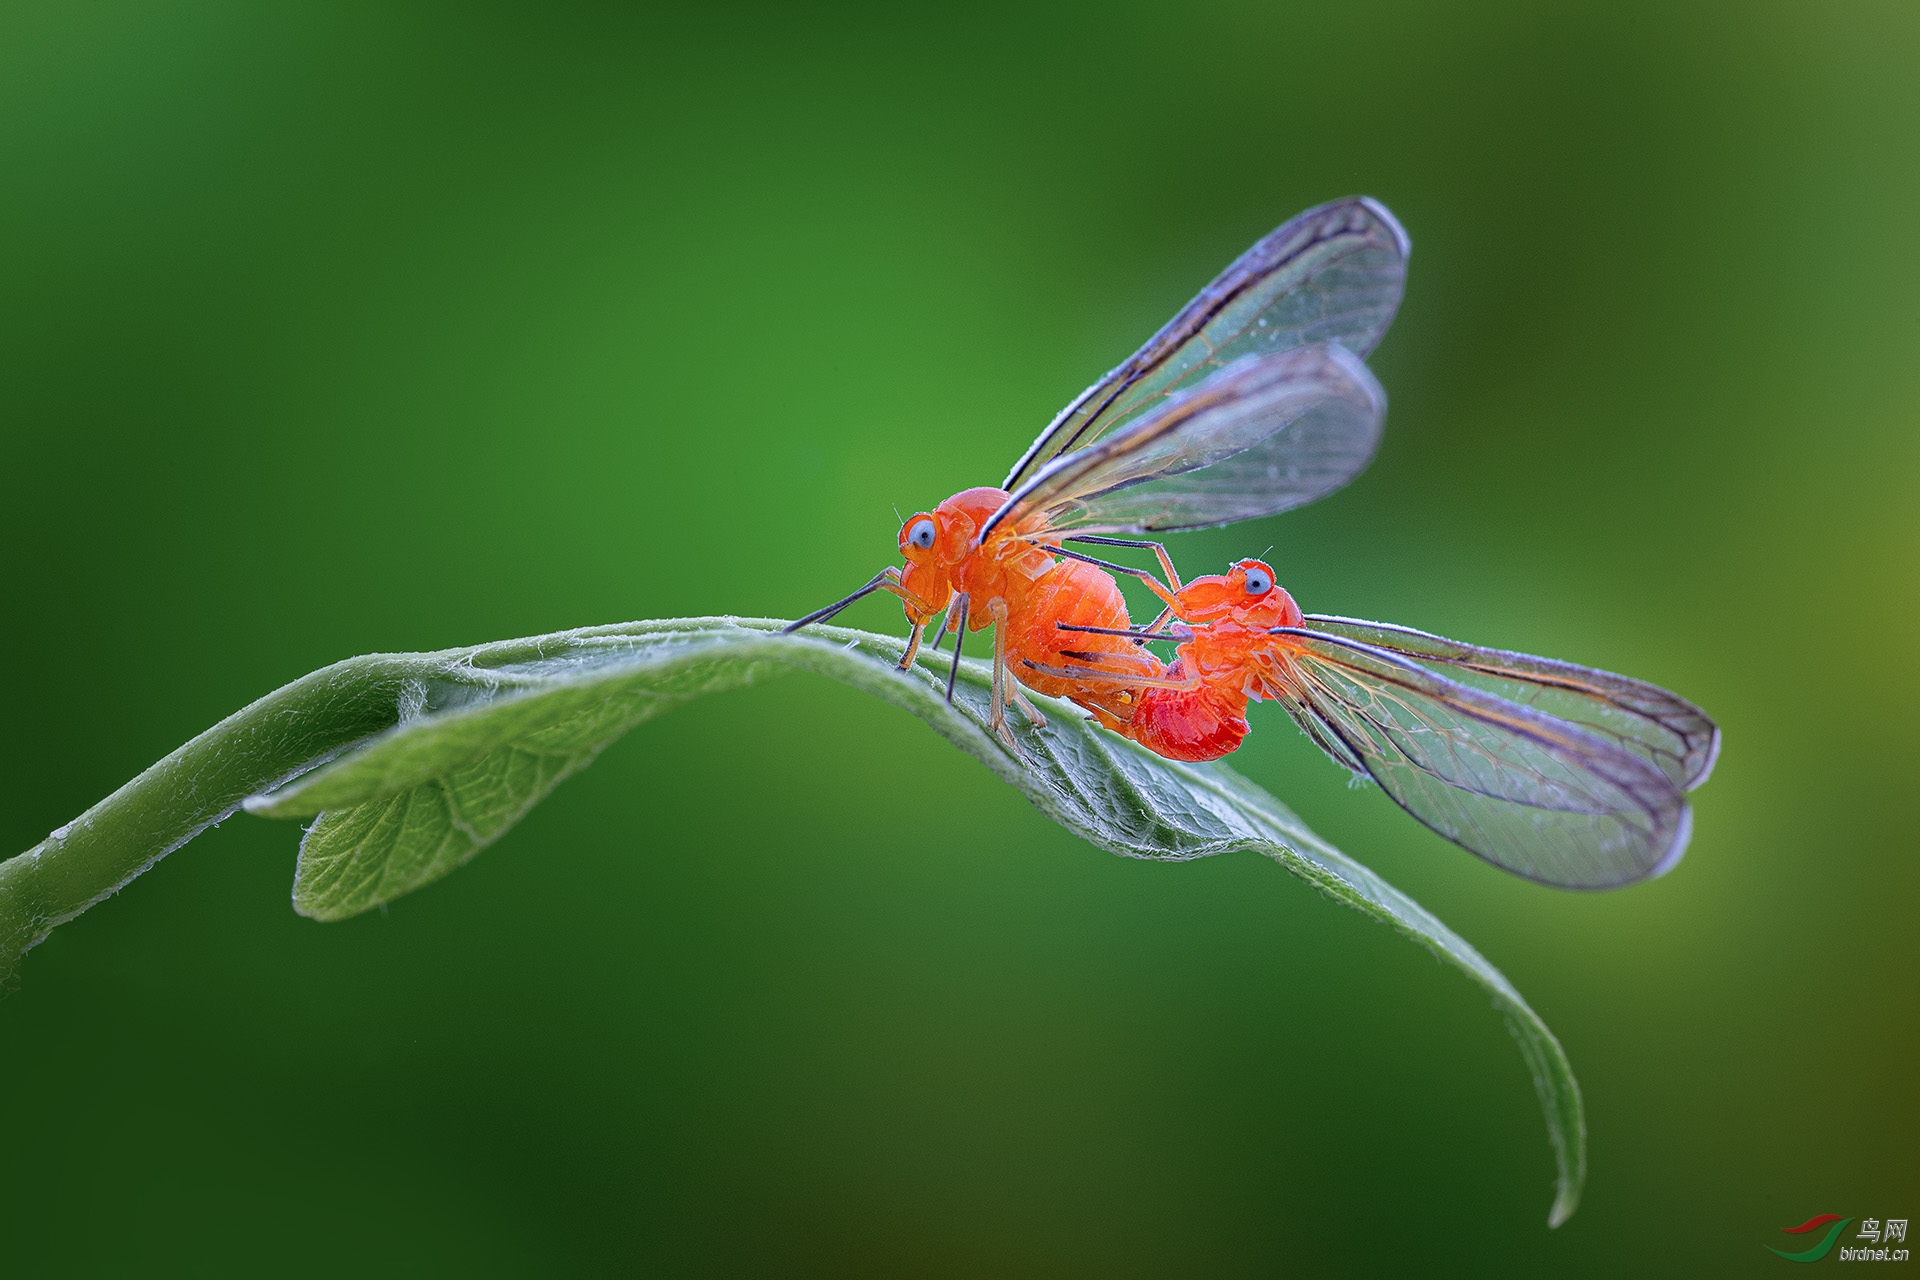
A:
921	535
1259	581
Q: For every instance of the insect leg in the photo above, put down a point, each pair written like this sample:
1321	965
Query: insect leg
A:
1180	631
996	718
1021	701
1166	561
1002	674
1157	623
888	579
1153	584
1113	677
940	637
959	634
1093	658
913	645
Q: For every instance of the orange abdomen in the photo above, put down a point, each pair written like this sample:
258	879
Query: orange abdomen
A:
1076	592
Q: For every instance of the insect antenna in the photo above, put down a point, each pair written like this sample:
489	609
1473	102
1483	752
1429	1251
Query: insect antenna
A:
879	580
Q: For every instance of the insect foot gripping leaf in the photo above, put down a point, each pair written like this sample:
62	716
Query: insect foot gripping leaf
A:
413	763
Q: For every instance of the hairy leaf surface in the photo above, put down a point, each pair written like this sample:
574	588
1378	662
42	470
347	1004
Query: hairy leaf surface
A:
412	763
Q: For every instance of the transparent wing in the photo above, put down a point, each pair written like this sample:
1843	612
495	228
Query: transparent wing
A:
1264	435
1332	274
1530	793
1680	739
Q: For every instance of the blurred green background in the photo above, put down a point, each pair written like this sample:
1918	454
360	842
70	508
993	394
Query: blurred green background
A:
331	328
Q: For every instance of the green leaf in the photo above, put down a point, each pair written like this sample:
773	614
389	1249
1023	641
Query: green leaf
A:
483	740
413	763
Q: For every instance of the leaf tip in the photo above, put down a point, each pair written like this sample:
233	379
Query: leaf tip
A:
329	913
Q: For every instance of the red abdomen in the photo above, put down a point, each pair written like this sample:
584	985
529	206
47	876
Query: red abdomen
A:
1188	724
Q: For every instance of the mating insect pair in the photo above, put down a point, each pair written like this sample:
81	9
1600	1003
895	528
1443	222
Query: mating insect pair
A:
1251	401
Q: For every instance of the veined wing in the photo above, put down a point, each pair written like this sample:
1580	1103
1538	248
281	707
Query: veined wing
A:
1332	274
1680	739
1530	793
1264	435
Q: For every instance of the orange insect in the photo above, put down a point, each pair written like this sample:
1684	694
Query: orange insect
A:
1559	773
1025	595
1251	401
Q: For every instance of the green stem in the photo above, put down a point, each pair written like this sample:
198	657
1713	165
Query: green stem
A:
258	747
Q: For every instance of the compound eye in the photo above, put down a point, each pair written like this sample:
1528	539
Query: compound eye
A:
1259	581
920	533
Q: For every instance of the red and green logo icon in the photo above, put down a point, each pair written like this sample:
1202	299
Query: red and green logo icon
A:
1807	1228
1821	1231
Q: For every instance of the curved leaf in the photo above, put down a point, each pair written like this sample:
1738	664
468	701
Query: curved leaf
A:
415	762
499	727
